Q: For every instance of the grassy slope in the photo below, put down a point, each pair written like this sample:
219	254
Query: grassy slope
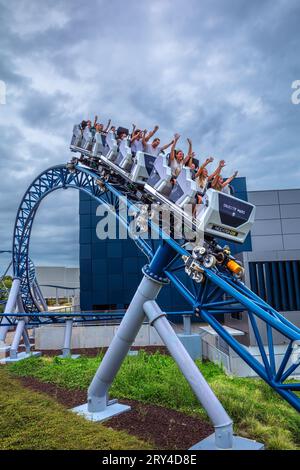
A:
257	411
30	420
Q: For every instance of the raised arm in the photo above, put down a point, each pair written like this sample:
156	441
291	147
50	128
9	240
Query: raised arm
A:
134	136
144	142
95	120
150	134
228	181
188	161
190	154
201	168
215	180
133	129
108	126
174	142
164	147
217	170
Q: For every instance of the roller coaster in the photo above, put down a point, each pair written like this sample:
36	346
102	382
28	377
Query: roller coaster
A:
202	270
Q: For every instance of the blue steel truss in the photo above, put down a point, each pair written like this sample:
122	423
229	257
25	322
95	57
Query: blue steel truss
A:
55	178
219	293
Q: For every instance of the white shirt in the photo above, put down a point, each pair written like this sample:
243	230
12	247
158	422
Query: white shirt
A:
226	190
151	150
137	146
202	186
176	167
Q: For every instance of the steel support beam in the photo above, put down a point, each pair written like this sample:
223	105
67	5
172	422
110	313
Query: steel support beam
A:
98	406
66	350
39	295
21	331
10	306
17	338
26	340
220	419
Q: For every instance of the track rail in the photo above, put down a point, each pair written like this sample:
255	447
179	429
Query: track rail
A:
218	293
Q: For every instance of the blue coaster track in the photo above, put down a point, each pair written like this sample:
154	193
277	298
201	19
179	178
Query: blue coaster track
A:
219	292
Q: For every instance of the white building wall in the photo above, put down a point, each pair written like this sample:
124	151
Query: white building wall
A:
277	221
58	276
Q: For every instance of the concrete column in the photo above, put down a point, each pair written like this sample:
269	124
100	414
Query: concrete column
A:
187	324
17	338
66	352
20	329
98	407
120	345
10	307
209	401
26	340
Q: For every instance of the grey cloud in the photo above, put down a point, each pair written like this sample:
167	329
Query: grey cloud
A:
218	72
45	111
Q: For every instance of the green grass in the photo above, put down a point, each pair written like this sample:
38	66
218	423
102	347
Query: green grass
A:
31	420
257	411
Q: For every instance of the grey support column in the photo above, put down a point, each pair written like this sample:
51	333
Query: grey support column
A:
40	296
120	345
10	307
66	350
20	331
99	407
68	338
223	437
209	401
187	324
17	338
26	341
191	341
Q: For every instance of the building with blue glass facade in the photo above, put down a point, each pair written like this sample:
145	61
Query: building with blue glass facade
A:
110	270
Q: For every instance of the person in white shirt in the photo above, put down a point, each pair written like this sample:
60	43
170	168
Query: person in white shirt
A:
177	160
136	141
154	148
202	179
99	127
219	184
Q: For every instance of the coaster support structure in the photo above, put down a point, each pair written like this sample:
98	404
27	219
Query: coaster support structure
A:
217	291
143	303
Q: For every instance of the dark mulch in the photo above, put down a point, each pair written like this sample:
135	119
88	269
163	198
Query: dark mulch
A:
92	352
166	429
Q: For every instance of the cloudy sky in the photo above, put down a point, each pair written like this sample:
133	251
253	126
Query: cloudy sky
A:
218	71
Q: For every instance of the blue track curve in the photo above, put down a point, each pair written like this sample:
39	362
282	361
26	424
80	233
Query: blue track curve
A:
219	293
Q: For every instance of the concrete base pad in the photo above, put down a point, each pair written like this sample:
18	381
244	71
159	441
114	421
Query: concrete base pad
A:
20	357
238	443
110	411
72	356
133	352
